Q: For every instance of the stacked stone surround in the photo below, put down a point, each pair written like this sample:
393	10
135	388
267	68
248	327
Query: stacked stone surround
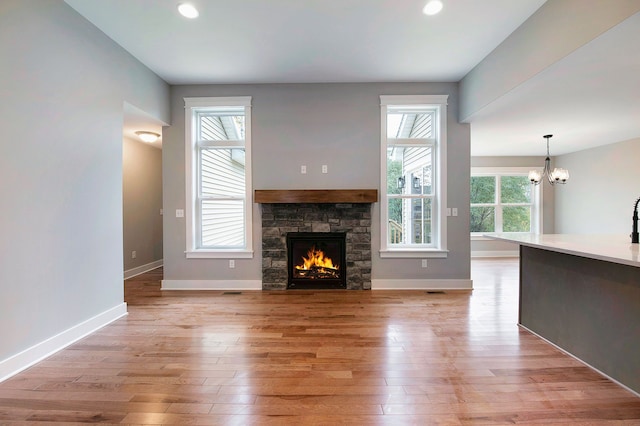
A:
279	219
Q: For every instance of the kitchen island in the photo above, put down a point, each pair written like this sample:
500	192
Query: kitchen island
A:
582	293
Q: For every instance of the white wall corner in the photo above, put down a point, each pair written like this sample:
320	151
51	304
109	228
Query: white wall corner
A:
421	284
25	359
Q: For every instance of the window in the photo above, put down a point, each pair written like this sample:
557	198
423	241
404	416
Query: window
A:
218	176
413	159
503	200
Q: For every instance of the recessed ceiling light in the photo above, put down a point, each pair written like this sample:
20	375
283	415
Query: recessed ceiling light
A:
432	7
188	10
149	137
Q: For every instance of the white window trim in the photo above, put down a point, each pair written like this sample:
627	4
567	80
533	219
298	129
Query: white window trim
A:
191	178
536	193
439	230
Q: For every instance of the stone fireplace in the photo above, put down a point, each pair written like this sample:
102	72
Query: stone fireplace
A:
321	212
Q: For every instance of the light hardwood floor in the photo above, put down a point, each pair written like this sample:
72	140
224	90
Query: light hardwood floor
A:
321	358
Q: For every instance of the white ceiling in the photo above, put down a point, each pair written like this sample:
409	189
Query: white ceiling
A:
312	41
589	98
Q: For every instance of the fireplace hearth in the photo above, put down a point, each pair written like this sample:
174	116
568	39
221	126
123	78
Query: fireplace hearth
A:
316	260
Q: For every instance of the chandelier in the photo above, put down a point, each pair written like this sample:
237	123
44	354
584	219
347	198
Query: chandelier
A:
558	175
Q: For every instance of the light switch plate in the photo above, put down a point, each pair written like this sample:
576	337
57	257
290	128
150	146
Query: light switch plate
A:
179	213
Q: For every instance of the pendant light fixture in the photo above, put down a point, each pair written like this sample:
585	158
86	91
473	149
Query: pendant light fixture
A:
558	175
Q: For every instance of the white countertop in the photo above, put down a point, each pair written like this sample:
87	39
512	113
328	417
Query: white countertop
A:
610	248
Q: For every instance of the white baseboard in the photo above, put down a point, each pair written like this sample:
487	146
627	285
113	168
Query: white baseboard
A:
129	273
420	284
494	253
211	285
25	359
415	284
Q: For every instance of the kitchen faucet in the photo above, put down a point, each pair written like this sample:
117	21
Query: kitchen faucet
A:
634	233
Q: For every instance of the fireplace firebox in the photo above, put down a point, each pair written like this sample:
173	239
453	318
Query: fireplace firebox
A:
316	260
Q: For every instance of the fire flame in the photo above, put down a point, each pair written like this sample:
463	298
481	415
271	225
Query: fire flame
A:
316	258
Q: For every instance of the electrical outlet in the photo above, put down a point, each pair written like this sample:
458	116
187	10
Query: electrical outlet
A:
303	170
133	254
324	168
232	263
424	263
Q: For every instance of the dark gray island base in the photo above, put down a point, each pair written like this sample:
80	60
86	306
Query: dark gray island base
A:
582	294
589	308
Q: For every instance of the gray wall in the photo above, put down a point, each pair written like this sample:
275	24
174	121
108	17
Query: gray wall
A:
63	85
604	183
141	203
548	203
315	124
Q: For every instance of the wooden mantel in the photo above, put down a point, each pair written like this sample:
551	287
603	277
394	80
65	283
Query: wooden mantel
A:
315	196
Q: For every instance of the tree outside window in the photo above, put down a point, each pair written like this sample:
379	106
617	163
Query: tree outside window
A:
502	203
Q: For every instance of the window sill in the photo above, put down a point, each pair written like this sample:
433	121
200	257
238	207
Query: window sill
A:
219	254
480	237
418	253
487	236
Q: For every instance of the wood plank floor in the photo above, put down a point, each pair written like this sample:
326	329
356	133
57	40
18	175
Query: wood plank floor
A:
318	358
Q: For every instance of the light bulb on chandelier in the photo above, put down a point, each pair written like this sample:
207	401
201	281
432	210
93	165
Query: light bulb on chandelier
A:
558	175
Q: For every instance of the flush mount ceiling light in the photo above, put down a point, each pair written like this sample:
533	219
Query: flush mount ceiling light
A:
188	10
556	176
432	7
148	137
